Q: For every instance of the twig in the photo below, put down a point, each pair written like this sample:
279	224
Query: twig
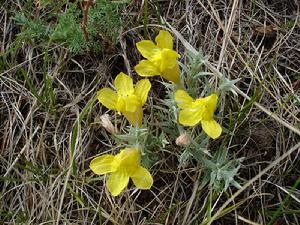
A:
85	9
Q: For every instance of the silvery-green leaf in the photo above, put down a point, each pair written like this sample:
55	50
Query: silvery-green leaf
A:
202	74
184	157
227	85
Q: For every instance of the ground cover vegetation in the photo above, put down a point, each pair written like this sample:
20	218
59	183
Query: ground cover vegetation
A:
149	112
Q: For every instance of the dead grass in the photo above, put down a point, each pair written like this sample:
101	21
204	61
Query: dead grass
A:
45	151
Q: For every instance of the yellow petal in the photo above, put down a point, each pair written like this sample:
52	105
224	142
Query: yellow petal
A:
103	164
145	68
210	105
124	84
172	74
168	59
164	39
108	98
129	159
183	99
190	117
142	179
147	48
211	128
121	104
135	118
132	102
142	89
117	181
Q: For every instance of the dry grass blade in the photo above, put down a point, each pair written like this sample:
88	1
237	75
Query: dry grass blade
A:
251	181
219	74
20	154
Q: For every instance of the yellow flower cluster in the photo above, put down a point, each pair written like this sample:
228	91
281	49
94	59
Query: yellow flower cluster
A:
122	166
129	99
200	110
161	58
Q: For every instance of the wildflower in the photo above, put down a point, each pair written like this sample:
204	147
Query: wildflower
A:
200	110
121	167
128	99
161	58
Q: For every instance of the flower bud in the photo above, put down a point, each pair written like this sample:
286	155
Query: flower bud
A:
183	140
107	124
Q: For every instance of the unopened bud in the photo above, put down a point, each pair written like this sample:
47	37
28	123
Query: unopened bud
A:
107	124
183	140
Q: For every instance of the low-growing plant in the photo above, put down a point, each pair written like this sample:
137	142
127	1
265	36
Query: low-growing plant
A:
63	25
180	110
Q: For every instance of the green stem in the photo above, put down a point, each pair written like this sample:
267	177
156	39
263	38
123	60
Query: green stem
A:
285	201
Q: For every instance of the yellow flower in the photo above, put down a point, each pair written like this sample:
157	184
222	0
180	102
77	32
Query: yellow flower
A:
200	110
161	58
128	99
121	167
